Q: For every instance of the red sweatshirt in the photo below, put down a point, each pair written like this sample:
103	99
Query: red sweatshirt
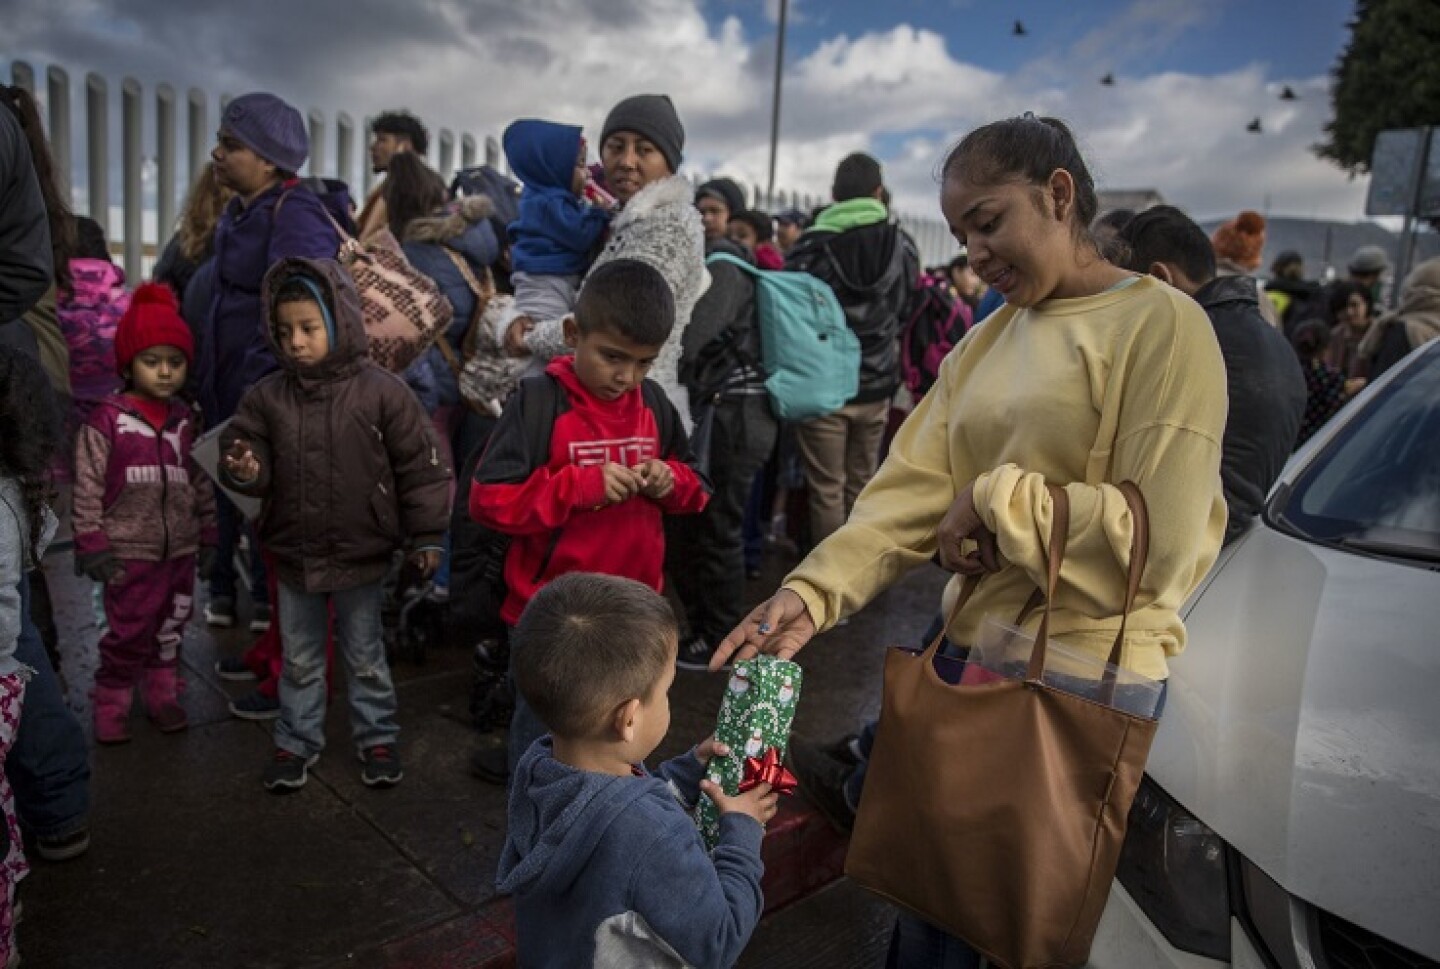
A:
554	506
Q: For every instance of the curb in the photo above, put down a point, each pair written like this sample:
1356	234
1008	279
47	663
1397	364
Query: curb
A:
802	854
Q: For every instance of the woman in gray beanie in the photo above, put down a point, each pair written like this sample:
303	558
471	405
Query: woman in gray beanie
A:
640	147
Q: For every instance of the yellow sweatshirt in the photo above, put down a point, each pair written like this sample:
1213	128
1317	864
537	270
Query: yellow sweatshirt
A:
1084	393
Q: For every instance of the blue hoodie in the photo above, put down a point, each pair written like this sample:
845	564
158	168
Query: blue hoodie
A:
556	230
611	872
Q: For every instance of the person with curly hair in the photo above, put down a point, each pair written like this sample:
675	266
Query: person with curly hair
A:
28	433
395	133
194	241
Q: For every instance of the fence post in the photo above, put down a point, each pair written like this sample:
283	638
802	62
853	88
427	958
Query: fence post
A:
367	170
492	152
131	186
22	75
315	164
344	147
467	150
164	163
197	132
58	84
97	139
447	153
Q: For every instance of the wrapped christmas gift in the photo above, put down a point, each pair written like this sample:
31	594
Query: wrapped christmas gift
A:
755	718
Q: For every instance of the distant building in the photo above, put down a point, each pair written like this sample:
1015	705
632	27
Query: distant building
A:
1134	199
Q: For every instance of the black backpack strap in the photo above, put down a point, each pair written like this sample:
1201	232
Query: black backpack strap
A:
544	404
673	441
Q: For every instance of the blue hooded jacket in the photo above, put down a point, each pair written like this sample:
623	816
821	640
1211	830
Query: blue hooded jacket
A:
611	872
556	230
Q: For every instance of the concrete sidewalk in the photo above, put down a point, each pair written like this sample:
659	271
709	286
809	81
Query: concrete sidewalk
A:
193	864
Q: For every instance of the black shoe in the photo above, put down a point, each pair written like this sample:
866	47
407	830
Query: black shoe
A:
220	611
64	848
822	782
287	772
491	764
234	668
382	766
695	655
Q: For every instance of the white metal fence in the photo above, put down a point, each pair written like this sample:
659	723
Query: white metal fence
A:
150	186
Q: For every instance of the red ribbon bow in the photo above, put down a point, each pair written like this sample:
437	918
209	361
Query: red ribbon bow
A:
768	770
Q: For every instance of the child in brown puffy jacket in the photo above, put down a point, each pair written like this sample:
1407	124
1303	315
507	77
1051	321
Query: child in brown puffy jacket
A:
349	470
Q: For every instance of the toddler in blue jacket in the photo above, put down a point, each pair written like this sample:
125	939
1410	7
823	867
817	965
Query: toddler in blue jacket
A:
606	866
553	241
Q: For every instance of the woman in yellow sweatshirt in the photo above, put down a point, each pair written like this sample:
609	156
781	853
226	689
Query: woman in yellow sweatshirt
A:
1089	376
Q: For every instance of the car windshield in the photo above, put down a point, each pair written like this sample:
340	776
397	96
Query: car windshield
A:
1376	486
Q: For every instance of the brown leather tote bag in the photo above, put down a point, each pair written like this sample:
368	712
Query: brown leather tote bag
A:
997	811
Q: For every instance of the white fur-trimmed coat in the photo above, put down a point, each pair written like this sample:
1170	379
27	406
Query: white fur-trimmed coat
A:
659	226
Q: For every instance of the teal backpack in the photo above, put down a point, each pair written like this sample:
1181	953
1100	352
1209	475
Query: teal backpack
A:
811	357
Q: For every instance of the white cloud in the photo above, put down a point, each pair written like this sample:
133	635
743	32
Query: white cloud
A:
473	66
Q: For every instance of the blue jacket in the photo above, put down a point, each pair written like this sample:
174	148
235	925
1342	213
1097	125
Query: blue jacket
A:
234	352
610	871
556	230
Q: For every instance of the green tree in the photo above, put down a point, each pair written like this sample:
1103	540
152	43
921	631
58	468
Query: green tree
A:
1387	77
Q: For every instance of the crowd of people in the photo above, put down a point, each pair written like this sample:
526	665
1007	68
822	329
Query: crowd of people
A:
592	424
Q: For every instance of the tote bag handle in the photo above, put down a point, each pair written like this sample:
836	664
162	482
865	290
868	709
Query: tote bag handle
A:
1059	537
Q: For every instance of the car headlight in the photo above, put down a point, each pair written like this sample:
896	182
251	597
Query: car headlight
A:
1174	867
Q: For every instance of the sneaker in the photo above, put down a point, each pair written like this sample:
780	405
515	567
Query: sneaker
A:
822	782
286	771
220	611
234	668
256	706
259	617
695	655
64	848
492	764
382	766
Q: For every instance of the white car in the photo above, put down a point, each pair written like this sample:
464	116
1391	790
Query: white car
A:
1290	817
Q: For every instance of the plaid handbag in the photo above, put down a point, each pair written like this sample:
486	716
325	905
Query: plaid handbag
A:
404	310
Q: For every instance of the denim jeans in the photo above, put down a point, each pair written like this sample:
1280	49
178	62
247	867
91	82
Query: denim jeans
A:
304	617
231	525
49	766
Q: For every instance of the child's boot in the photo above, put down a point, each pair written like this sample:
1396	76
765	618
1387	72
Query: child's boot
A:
162	699
112	714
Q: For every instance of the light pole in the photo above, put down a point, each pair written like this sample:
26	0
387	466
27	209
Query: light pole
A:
775	107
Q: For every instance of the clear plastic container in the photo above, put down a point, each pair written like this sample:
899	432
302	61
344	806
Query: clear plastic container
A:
1003	651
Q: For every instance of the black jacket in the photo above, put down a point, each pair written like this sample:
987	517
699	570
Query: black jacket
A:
872	269
721	346
1267	396
26	269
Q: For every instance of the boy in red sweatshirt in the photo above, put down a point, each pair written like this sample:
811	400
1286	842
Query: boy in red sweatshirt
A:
591	498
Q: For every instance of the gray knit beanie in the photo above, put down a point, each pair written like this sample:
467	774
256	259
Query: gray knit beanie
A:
653	117
270	128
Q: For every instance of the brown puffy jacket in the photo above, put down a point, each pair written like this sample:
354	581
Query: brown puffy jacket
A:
350	467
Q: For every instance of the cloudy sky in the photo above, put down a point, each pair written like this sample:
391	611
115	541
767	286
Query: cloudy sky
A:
900	78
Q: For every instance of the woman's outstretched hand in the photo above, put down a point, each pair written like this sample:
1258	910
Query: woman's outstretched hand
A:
779	625
963	522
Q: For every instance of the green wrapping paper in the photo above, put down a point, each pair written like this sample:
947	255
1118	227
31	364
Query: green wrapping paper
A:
756	714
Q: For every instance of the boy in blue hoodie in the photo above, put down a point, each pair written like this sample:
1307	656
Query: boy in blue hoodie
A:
606	865
553	240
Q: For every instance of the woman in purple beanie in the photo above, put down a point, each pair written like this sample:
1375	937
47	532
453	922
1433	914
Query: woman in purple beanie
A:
261	145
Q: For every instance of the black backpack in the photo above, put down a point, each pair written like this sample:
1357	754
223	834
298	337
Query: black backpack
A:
502	190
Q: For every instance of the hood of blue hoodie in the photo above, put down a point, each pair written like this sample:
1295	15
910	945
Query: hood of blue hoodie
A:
557	817
542	154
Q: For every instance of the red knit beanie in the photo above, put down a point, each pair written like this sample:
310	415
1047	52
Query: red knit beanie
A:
153	320
1241	240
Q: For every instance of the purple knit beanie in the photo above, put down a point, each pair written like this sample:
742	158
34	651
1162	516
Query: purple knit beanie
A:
270	128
